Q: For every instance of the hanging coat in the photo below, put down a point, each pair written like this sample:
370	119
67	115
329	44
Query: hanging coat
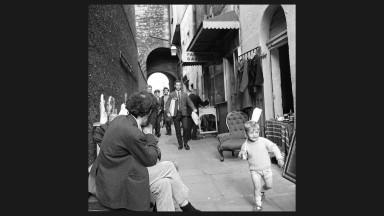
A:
244	79
239	68
255	75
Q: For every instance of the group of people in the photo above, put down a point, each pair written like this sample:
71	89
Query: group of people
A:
185	104
129	167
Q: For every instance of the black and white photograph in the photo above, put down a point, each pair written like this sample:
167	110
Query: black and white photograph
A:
192	107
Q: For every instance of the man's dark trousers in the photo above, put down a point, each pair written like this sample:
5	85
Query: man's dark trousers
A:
168	123
186	133
157	127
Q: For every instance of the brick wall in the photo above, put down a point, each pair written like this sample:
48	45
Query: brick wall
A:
111	29
200	12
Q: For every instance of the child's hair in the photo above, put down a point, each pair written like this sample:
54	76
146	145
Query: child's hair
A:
251	124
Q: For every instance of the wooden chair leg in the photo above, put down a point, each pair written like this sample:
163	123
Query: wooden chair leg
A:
221	154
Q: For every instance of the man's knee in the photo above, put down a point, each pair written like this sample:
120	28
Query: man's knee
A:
169	164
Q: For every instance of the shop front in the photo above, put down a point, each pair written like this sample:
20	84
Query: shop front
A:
218	36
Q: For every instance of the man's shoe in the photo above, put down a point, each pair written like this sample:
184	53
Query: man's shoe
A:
180	147
186	146
262	196
257	208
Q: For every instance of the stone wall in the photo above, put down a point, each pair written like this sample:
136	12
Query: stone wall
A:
152	27
111	30
200	12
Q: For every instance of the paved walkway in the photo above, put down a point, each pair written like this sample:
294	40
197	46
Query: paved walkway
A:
223	186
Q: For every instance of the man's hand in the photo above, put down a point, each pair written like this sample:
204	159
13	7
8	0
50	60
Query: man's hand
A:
281	163
195	110
147	129
169	114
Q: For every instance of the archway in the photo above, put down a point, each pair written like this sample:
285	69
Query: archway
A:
278	82
160	60
158	81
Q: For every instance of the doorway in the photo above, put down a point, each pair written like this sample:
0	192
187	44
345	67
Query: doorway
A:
286	83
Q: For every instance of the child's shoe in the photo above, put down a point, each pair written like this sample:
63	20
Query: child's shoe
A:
257	208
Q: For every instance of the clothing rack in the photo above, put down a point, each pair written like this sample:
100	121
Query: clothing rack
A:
249	53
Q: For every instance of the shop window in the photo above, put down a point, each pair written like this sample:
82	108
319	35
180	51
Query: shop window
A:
219	83
211	83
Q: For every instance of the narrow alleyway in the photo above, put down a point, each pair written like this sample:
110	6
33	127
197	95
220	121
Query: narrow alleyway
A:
223	186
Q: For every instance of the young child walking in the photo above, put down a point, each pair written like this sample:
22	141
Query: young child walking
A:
255	149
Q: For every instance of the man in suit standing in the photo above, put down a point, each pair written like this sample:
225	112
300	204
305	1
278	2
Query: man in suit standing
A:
167	120
196	100
180	113
128	167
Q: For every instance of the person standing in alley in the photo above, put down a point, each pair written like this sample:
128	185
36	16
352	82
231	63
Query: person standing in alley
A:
181	100
167	121
158	113
153	116
196	100
255	149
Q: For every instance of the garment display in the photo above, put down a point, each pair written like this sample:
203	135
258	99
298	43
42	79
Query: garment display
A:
279	133
244	76
255	75
239	73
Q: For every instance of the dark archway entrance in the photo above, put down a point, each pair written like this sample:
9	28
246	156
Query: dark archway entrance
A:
160	60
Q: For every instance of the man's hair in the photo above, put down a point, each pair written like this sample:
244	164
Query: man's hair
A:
178	81
157	90
141	103
165	88
251	124
149	86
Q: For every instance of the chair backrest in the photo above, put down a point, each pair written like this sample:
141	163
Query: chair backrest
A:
236	120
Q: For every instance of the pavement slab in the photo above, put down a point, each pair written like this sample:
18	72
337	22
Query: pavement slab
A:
223	186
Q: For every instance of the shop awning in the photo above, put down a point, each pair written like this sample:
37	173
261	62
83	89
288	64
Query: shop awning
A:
212	30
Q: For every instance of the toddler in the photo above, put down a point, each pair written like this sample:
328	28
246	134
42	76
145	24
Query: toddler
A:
255	149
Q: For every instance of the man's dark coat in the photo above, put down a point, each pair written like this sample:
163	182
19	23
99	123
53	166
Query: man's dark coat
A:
120	172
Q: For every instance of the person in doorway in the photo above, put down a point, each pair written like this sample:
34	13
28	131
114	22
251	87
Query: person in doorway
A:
196	100
180	114
255	149
158	113
128	167
167	121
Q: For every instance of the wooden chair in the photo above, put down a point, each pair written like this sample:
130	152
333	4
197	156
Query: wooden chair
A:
233	140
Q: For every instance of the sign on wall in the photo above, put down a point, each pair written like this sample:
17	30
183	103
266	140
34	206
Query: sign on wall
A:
199	56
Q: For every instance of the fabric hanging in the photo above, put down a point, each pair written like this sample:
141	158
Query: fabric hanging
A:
255	74
239	68
244	79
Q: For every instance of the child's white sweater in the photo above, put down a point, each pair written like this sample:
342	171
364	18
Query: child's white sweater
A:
258	157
